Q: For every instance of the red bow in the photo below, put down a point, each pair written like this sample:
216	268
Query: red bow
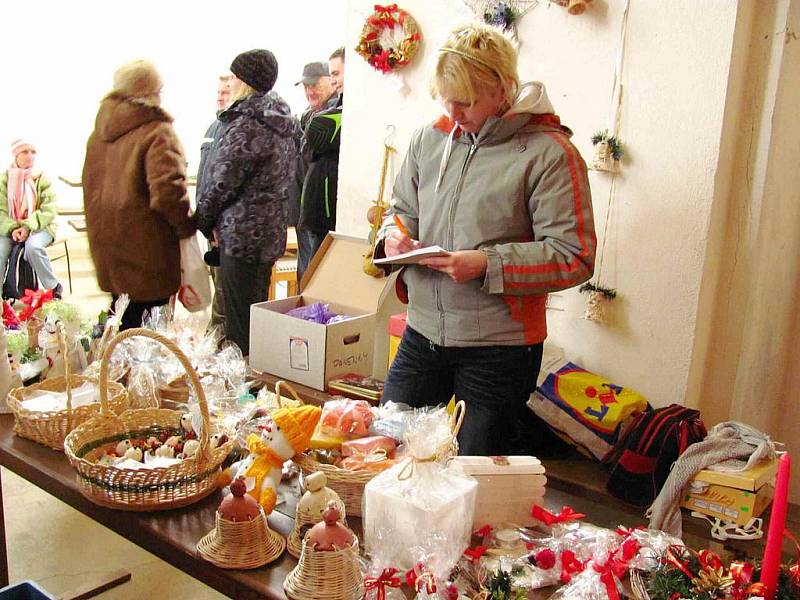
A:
607	576
483	531
389	8
10	318
569	566
34	300
545	559
549	519
411	574
475	553
427	580
742	574
386	579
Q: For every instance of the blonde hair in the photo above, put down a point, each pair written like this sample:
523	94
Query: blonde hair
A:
475	57
243	92
138	79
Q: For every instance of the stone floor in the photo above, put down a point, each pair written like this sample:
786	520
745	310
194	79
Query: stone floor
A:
58	547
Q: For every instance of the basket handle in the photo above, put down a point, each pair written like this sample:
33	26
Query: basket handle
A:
457	418
280	384
61	338
185	362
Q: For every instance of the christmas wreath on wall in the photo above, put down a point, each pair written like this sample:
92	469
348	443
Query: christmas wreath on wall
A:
390	38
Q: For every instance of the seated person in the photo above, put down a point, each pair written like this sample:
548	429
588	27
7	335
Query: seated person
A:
28	214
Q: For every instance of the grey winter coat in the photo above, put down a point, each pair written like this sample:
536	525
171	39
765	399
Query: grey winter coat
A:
246	179
518	191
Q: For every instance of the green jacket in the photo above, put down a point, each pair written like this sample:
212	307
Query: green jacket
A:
43	217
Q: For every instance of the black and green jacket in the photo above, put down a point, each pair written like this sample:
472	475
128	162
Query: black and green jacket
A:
323	134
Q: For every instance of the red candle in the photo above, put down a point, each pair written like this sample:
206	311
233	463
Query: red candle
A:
771	564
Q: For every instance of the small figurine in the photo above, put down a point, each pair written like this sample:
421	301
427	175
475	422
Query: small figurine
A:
239	505
289	433
190	448
188	427
133	454
217	440
165	451
123	447
329	534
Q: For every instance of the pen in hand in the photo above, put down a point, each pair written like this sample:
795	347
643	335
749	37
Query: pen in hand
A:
403	229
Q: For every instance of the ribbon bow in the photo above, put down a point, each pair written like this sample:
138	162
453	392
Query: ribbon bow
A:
34	299
386	579
616	567
475	553
549	519
570	565
483	531
10	318
427	581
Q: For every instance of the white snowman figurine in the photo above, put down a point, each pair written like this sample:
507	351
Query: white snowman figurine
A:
289	433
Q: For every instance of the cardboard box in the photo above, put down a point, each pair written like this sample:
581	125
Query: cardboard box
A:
750	480
729	504
507	488
310	353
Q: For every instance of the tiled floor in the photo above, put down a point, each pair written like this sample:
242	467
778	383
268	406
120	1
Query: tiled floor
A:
58	547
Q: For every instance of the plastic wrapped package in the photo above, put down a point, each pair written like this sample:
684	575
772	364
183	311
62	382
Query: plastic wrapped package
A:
420	511
317	313
600	579
346	417
391	420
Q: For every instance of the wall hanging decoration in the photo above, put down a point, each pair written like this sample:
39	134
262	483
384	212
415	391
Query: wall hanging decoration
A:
608	151
390	38
377	210
503	14
574	7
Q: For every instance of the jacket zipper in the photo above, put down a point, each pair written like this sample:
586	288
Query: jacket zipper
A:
450	235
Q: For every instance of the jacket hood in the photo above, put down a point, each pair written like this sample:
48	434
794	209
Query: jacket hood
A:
267	108
120	114
531	112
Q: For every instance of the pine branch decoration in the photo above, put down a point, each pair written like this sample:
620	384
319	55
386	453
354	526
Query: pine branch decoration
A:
614	145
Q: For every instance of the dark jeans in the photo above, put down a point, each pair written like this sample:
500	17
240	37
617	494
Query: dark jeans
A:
132	317
494	382
243	284
308	242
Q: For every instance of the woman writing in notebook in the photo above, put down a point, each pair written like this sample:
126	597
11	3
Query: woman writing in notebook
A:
498	184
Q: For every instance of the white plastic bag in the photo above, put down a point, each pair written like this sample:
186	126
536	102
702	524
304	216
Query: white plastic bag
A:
195	290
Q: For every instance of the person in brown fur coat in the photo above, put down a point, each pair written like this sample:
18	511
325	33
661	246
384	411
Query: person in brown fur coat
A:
134	184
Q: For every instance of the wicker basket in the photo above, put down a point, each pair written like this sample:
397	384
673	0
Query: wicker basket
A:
638	585
326	575
143	489
50	428
241	545
349	484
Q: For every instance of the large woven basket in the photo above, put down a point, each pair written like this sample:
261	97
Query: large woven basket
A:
50	428
143	489
326	575
349	484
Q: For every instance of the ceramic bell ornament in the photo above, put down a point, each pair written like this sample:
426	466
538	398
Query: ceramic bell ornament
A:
328	567
310	508
241	538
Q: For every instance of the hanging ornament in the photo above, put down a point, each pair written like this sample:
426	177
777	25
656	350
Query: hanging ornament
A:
376	212
390	38
607	152
574	7
503	14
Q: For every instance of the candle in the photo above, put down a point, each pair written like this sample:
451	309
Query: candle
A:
771	564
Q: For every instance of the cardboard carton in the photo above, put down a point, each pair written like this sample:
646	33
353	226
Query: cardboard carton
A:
727	503
311	353
750	480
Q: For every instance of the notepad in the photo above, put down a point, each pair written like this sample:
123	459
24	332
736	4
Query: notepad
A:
413	257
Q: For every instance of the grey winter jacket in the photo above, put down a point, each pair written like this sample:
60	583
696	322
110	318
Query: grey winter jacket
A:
518	191
246	179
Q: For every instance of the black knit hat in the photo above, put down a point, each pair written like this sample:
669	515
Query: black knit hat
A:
257	68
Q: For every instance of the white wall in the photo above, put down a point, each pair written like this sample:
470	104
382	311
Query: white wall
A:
675	77
59	59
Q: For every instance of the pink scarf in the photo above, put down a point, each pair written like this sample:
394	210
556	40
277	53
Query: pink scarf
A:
21	193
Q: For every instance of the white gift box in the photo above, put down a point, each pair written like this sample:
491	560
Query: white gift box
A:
419	511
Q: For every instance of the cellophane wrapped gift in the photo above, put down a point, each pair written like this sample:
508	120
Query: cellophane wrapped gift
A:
420	510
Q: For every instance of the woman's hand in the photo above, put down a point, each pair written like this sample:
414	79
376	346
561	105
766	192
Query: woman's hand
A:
460	266
20	234
397	242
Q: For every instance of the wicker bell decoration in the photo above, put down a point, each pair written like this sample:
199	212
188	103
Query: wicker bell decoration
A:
310	509
603	159
241	538
328	567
